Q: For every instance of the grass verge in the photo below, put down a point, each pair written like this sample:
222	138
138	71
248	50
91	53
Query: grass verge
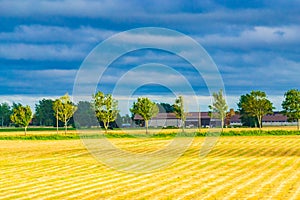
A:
156	135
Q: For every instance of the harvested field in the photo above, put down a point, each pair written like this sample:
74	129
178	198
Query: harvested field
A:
237	168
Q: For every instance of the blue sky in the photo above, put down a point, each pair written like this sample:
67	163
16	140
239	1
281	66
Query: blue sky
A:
255	44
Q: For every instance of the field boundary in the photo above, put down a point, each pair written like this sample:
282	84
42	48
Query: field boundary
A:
115	134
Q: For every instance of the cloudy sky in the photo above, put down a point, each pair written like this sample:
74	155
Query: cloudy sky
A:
255	45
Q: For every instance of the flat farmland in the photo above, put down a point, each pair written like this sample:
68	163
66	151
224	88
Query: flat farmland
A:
257	167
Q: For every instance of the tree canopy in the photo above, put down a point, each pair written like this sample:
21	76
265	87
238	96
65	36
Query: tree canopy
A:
106	108
85	115
246	119
165	108
291	105
257	105
219	107
179	111
5	112
64	110
44	113
145	108
21	116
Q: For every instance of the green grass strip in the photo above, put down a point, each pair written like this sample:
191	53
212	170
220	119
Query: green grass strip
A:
33	129
158	135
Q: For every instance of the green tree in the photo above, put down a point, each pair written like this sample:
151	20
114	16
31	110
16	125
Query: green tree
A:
21	115
179	111
5	112
64	110
16	105
246	119
44	113
106	108
145	108
291	105
165	108
219	107
257	105
85	115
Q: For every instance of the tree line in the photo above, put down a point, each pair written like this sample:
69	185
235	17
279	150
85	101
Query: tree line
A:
61	112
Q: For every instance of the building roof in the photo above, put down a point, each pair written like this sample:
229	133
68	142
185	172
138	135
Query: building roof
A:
190	115
275	117
158	116
195	115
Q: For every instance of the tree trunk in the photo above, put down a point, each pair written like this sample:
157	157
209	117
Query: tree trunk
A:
298	124
25	130
182	126
259	122
66	127
222	124
56	121
146	125
105	126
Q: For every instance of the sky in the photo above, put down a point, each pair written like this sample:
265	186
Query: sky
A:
255	45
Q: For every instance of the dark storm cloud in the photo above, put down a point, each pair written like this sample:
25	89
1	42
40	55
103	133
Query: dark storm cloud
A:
254	43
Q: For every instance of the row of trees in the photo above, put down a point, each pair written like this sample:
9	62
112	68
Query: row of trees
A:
148	109
103	106
62	109
252	107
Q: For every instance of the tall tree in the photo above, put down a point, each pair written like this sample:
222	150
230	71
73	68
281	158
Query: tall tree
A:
145	108
291	105
179	111
106	108
22	116
85	115
44	113
64	110
16	105
165	108
5	112
219	107
257	105
246	119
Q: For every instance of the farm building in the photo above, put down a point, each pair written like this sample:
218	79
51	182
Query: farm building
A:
193	119
275	119
202	119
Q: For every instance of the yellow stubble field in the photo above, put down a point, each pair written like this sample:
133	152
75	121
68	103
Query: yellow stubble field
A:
142	131
237	168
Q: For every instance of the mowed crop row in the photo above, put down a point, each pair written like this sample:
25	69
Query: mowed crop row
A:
237	168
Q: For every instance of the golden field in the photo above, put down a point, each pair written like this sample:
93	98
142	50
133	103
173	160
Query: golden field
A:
237	168
142	131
